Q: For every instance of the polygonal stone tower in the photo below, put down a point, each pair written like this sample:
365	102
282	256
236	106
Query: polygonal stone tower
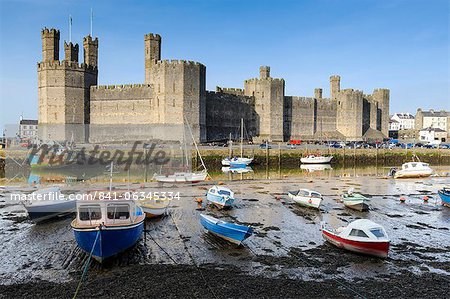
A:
152	50
71	51
335	86
90	51
50	44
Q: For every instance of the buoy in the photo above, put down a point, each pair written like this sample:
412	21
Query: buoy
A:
425	198
278	197
142	186
402	199
199	199
310	201
220	183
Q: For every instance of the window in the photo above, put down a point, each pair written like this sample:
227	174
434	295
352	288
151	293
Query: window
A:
224	192
92	212
378	232
358	233
173	102
118	211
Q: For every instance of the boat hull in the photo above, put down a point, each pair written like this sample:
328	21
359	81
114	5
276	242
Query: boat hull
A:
153	212
445	198
413	174
316	160
228	231
42	212
246	161
378	249
311	202
358	205
111	241
185	178
220	201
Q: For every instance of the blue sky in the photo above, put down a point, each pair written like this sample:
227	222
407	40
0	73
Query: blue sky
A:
402	45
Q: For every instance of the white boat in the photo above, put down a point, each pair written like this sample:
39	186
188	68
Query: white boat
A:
220	196
154	207
412	170
313	159
306	197
48	203
185	177
228	161
362	236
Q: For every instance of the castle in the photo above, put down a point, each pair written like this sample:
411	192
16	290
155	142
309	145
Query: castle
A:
72	105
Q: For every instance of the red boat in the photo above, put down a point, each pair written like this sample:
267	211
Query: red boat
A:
362	236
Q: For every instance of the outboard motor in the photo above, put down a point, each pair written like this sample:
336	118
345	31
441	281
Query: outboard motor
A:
392	171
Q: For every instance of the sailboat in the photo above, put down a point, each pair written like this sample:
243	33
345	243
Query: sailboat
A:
185	177
238	162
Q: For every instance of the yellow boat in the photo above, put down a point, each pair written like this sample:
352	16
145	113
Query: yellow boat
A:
154	207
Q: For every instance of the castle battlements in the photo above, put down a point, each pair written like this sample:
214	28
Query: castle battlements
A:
64	64
121	86
90	40
253	80
49	31
152	36
175	62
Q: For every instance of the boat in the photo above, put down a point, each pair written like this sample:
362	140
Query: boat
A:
361	236
185	177
313	159
412	170
154	207
237	162
444	194
355	201
231	232
220	196
306	197
107	227
47	203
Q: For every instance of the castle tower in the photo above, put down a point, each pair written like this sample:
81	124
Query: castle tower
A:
381	96
269	104
71	52
264	72
50	44
90	47
63	91
349	116
318	93
152	52
335	86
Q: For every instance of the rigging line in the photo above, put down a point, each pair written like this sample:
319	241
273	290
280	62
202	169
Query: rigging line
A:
192	259
170	257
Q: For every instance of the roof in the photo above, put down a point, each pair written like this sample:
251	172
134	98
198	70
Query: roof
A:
363	224
404	115
430	129
433	113
29	122
393	121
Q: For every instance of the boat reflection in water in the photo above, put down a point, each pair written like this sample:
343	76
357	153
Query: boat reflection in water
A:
315	167
227	169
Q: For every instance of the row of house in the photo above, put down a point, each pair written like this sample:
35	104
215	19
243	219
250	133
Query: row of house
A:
426	126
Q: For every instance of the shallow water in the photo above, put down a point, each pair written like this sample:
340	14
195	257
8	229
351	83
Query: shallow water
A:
287	239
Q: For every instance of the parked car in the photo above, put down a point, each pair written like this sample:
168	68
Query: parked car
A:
265	146
292	146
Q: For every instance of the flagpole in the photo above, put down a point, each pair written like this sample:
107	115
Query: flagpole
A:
70	28
92	20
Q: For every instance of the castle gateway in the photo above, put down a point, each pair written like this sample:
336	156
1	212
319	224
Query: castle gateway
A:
73	106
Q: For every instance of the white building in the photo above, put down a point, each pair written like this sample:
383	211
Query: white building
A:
394	125
405	120
28	128
433	119
432	135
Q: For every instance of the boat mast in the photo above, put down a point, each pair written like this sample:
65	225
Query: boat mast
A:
110	176
230	145
242	134
195	143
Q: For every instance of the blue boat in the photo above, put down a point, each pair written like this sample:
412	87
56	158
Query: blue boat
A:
444	194
220	196
107	227
237	164
231	232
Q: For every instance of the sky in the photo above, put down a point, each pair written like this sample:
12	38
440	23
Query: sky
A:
402	45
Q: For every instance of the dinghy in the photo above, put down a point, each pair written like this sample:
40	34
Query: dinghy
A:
306	197
313	159
220	196
355	201
107	227
231	232
48	203
444	194
154	207
361	236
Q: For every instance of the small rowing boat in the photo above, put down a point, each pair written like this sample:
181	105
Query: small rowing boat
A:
107	227
231	232
355	201
220	196
361	236
154	207
444	194
306	197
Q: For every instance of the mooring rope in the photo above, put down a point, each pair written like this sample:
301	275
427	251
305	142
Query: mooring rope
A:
86	265
193	261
